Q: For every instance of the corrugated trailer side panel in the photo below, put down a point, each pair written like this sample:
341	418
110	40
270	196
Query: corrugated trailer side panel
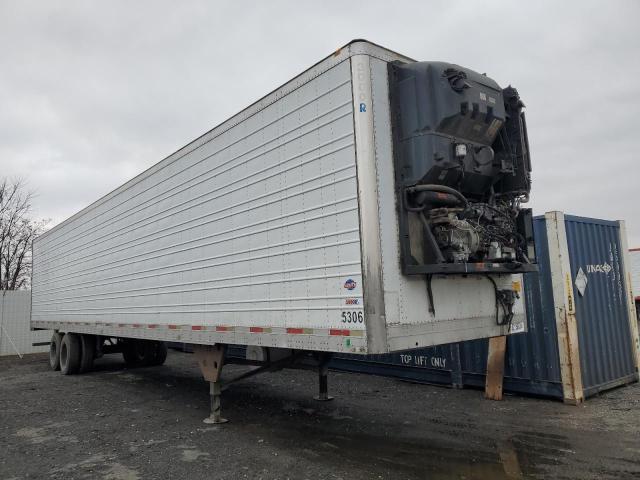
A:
255	228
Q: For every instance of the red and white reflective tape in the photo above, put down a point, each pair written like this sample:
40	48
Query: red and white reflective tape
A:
221	328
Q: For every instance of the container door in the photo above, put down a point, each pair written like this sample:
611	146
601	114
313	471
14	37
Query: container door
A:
606	354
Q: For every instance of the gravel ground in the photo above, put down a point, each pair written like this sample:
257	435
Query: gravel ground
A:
116	424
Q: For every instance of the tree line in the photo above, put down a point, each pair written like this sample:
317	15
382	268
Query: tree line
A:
18	229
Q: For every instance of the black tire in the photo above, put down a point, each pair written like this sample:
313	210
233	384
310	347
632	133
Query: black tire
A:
88	352
54	351
160	354
144	353
137	353
70	353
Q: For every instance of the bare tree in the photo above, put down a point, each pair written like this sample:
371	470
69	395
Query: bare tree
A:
17	231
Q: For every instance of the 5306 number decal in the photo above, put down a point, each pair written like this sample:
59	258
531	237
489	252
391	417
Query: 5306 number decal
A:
352	317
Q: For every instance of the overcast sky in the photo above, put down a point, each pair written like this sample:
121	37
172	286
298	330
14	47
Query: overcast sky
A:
92	93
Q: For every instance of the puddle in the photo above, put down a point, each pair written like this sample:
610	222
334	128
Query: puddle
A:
459	452
509	458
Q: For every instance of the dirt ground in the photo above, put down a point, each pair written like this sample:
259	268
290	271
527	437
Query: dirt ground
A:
144	423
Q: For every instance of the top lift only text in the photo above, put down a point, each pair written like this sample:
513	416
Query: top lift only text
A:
423	361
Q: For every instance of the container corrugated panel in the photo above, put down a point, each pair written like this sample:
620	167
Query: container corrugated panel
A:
606	358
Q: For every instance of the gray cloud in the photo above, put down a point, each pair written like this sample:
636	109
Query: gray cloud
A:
92	93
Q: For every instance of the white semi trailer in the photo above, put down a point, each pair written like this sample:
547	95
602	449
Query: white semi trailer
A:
369	205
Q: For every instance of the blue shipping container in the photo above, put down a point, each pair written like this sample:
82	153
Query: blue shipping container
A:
606	341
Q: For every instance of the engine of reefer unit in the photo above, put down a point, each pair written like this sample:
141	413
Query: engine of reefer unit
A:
462	171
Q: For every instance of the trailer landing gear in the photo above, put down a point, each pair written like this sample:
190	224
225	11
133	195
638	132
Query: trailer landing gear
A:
211	359
323	369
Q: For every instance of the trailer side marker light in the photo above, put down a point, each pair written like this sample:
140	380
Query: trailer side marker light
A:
335	331
300	331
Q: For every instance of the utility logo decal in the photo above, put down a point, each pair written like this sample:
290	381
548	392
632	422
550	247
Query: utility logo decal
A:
350	284
352	301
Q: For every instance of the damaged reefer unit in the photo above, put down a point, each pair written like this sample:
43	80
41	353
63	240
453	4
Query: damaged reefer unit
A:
369	205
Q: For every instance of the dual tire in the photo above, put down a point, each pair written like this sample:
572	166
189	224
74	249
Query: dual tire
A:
144	353
54	351
72	353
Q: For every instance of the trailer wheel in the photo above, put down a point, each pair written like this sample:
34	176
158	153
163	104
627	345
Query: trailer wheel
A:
137	353
160	353
70	354
143	353
54	351
88	352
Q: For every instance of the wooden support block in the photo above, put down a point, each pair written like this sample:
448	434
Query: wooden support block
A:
495	368
575	378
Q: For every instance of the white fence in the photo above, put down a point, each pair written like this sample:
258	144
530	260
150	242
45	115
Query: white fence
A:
16	338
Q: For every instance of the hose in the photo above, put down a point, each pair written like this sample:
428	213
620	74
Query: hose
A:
507	307
441	189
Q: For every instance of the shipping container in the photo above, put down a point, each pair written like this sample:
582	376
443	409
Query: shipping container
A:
579	307
16	336
321	218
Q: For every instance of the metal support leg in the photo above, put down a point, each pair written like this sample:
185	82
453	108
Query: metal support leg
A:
323	387
214	417
211	359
